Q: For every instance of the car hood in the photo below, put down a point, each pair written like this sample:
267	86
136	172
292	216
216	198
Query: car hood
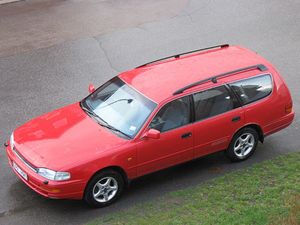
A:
64	138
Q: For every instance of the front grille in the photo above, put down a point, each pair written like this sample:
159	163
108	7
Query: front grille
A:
28	164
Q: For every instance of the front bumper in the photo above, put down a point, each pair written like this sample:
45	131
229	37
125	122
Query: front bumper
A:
71	189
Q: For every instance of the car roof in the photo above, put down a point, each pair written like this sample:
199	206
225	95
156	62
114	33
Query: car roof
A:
160	80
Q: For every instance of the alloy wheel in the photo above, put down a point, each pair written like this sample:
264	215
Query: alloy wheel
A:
244	144
105	189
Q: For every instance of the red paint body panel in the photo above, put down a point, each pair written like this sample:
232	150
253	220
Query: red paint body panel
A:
67	139
215	133
170	149
49	140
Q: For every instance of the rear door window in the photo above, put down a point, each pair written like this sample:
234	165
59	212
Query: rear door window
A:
212	102
253	89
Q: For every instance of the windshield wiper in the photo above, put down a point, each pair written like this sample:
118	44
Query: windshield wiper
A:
106	125
102	122
90	112
129	100
94	115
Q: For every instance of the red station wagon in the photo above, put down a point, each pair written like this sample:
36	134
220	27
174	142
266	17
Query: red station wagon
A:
222	98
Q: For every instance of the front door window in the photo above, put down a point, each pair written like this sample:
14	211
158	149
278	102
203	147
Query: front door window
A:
173	115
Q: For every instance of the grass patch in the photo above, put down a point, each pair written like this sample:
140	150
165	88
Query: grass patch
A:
266	193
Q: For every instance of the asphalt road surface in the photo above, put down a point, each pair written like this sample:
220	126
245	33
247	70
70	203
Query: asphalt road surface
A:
38	78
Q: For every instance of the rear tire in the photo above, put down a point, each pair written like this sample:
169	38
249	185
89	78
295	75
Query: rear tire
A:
104	188
243	144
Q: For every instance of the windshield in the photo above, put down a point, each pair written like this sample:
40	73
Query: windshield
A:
119	106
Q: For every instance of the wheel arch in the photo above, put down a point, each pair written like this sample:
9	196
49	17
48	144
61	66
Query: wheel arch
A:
255	127
119	170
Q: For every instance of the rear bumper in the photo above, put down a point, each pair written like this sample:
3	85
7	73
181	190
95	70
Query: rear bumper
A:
72	189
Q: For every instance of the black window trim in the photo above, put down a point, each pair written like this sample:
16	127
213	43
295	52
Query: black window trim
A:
192	103
248	78
192	109
236	101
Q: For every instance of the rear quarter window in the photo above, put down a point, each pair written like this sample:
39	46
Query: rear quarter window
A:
253	89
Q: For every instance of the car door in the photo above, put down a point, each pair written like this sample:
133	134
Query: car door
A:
217	117
175	144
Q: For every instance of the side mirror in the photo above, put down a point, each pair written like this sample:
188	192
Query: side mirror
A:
91	88
152	133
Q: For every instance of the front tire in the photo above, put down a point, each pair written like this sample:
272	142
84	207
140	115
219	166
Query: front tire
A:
104	188
243	144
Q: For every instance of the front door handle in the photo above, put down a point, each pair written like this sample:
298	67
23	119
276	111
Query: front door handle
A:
235	119
186	135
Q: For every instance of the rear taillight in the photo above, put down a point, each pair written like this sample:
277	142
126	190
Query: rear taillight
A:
289	107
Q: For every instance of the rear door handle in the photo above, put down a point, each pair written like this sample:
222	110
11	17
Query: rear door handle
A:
186	135
235	119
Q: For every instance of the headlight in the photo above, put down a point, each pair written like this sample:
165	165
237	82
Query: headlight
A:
53	175
12	141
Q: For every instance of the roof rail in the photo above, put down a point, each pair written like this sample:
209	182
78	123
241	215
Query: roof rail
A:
185	53
213	79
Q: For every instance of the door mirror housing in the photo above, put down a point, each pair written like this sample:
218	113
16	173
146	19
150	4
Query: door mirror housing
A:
91	88
152	134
